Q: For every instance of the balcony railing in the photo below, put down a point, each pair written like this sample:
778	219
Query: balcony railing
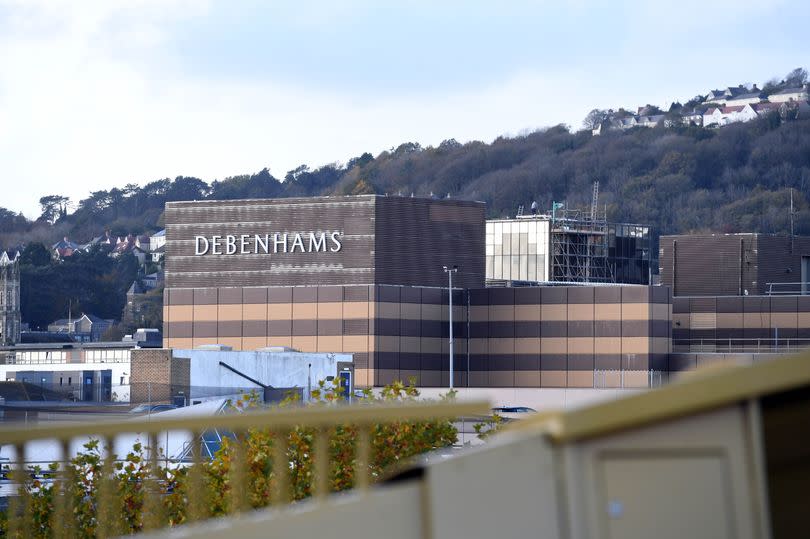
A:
23	487
737	346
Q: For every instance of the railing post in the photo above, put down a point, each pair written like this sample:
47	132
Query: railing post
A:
281	468
321	464
239	501
362	472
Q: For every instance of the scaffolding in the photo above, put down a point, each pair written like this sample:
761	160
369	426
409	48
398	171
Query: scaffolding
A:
580	247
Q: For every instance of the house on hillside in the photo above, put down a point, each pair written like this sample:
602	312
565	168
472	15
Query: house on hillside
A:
137	245
749	98
158	246
105	240
64	248
86	328
790	94
720	97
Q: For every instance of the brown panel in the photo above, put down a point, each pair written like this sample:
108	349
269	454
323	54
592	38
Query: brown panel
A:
279	328
205	329
205	296
254	295
180	330
183	296
279	295
330	294
607	294
229	328
254	328
230	295
304	327
502	378
328	327
580	295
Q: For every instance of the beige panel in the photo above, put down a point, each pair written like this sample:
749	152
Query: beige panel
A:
479	346
410	311
385	309
183	343
304	311
330	311
554	345
635	311
804	320
636	345
502	346
527	313
480	313
362	377
553	378
330	343
433	345
636	379
580	345
580	378
256	311
580	311
279	311
181	313
608	311
166	313
356	343
661	311
703	320
279	341
199	341
253	343
305	344
551	313
459	312
730	320
386	343
206	313
527	345
757	320
229	312
784	320
607	345
434	312
611	378
409	344
501	313
680	320
677	511
527	378
501	378
353	310
233	342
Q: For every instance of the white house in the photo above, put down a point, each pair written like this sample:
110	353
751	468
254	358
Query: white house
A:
790	94
749	98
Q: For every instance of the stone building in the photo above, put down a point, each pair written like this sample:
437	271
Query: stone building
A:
9	299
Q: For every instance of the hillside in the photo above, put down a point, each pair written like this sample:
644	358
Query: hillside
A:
679	179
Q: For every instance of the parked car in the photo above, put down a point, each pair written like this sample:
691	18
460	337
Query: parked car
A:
513	412
151	408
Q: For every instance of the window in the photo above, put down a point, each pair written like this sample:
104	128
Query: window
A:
70	381
60	380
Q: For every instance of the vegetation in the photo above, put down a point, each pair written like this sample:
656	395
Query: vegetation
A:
391	444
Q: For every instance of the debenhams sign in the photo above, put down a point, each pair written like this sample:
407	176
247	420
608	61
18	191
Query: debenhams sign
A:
245	244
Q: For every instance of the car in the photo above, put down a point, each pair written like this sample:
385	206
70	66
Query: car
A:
513	412
152	408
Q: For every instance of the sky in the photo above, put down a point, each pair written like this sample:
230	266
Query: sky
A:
96	94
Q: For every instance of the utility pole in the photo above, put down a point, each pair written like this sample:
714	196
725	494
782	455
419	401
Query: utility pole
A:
450	272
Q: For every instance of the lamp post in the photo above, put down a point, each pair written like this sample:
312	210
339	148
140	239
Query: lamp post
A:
450	272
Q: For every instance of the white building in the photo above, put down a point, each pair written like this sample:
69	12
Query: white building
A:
790	94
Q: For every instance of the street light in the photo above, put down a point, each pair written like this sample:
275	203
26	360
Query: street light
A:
450	273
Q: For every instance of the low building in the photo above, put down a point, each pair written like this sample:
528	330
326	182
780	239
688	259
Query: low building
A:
789	94
85	328
216	371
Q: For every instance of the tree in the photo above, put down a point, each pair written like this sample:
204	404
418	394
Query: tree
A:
35	254
595	118
796	78
53	207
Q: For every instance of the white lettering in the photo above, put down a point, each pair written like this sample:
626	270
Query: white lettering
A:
317	242
215	244
230	244
337	245
199	241
261	243
277	242
243	243
299	241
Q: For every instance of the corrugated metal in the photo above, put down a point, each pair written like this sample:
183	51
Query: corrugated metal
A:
703	321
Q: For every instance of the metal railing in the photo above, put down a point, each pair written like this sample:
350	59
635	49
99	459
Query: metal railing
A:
278	424
788	289
750	346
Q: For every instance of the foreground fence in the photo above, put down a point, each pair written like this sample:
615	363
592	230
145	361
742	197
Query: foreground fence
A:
265	457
